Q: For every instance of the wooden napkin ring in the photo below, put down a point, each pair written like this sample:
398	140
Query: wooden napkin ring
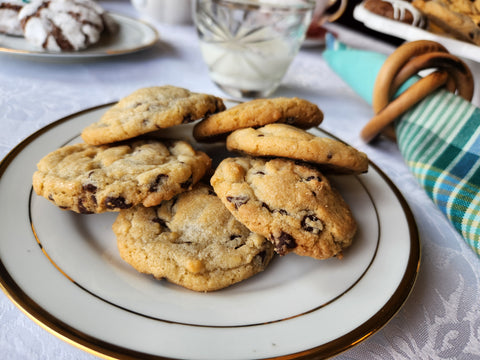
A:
392	66
418	91
406	61
457	70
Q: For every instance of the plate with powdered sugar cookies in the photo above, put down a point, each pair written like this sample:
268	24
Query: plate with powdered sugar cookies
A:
184	242
126	35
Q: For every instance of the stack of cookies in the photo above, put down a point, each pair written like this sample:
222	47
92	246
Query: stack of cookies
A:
200	227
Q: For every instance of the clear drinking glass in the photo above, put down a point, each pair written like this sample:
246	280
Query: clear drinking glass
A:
248	45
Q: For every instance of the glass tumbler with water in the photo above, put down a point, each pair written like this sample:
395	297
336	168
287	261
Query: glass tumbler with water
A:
248	45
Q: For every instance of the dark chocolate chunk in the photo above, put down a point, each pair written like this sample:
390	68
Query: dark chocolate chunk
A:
187	119
188	183
262	255
266	207
89	187
312	224
158	180
82	208
238	200
116	203
283	243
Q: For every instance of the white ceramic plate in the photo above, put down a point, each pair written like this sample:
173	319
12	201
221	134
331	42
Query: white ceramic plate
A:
63	270
133	35
411	33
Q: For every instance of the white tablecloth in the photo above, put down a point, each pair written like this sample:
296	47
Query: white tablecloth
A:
441	318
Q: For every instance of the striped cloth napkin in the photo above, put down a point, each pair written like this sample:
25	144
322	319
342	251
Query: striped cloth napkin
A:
439	138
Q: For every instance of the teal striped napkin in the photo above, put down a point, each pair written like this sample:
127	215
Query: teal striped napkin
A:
439	139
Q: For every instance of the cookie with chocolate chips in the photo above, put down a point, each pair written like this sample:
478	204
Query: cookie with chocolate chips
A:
191	240
95	179
281	140
299	112
291	204
150	109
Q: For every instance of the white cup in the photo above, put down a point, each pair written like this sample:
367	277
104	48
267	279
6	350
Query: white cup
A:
165	11
248	45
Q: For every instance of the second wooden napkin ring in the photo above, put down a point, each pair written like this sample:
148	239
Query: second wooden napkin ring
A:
404	62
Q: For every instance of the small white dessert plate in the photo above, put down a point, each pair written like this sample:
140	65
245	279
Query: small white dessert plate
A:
64	271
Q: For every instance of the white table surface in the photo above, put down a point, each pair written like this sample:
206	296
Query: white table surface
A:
441	318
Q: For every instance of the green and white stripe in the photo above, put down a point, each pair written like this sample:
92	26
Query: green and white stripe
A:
440	141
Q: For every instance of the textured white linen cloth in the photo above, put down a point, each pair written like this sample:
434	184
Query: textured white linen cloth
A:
440	320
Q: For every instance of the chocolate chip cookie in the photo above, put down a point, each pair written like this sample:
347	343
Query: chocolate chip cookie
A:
292	205
259	112
191	240
287	141
94	179
150	109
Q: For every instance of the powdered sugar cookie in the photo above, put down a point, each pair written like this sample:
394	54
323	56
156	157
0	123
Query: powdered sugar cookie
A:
9	22
63	25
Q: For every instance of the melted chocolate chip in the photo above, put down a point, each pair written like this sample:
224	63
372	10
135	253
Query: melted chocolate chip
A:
266	207
89	187
310	178
160	178
238	200
187	119
233	237
312	224
82	208
262	255
283	243
187	184
116	203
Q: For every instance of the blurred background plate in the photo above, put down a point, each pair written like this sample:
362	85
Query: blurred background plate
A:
133	35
